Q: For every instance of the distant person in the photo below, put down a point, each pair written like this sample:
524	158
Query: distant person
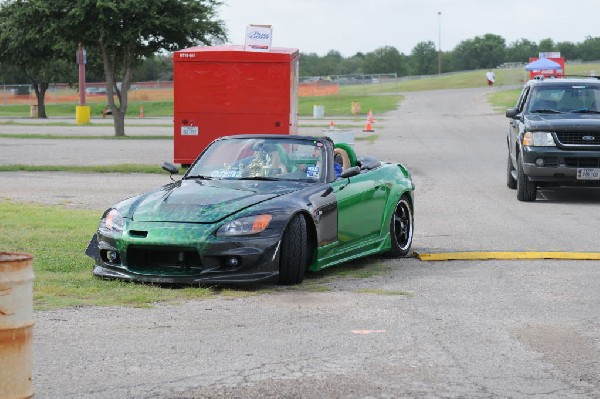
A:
491	78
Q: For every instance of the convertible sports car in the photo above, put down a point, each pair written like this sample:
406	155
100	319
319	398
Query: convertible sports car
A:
258	208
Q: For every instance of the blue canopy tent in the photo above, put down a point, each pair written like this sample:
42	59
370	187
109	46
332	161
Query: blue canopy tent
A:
543	64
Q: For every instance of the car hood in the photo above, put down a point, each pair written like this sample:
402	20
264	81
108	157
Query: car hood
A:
202	201
563	122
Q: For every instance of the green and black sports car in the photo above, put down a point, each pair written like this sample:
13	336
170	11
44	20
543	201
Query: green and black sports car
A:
258	208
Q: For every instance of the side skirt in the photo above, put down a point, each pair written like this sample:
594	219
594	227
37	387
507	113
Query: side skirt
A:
330	255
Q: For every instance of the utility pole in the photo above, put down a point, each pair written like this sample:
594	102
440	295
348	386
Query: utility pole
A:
439	42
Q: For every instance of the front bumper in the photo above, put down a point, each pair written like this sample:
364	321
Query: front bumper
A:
184	254
560	166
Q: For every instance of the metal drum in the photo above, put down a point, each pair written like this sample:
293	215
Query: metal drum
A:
16	325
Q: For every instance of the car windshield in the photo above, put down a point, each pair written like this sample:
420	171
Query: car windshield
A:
565	98
262	159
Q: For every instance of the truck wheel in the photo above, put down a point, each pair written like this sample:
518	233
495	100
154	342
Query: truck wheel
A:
293	259
511	182
526	189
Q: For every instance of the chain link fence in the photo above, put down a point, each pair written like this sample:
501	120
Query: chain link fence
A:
19	94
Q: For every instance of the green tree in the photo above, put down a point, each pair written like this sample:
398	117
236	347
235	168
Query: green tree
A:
546	45
353	65
424	59
589	49
487	51
157	67
568	50
309	64
521	50
386	59
11	74
331	64
448	63
126	31
26	44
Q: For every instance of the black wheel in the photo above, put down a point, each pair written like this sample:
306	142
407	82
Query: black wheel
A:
401	228
526	189
293	258
511	182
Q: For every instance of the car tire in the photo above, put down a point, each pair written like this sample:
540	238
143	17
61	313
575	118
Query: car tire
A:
401	228
293	259
511	182
526	189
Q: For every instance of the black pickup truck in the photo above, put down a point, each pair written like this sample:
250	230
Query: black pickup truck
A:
554	135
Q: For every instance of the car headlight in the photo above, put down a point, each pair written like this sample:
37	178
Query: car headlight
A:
538	139
114	221
245	226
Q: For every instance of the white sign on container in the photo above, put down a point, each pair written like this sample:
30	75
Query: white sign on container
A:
258	38
551	54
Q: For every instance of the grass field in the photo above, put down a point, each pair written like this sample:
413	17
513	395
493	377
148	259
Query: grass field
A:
151	108
380	98
120	168
341	105
337	105
58	237
501	100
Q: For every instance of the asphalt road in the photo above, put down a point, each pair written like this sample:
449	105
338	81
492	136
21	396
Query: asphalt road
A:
460	328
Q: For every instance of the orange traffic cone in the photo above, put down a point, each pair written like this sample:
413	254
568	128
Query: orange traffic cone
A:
370	122
141	111
370	117
331	125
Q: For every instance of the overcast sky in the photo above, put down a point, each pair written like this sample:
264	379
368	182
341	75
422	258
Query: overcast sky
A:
350	26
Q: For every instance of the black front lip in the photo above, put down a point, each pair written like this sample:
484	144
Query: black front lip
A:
219	278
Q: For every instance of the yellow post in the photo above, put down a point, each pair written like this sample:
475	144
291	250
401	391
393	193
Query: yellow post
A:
82	114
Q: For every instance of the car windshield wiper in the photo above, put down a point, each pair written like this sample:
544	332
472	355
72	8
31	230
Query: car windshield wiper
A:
585	111
545	111
258	178
201	177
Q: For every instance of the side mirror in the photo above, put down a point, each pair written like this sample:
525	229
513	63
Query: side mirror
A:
353	171
512	113
169	167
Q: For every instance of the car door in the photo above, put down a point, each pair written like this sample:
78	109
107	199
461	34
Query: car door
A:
361	205
516	125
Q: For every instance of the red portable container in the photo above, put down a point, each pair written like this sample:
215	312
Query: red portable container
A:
225	90
556	73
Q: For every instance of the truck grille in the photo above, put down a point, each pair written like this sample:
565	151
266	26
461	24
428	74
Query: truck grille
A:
167	260
578	138
582	162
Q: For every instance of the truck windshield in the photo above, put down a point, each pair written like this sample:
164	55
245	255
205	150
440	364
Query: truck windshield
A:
565	98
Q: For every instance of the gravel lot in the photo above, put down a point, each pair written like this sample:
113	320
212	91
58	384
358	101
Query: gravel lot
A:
445	329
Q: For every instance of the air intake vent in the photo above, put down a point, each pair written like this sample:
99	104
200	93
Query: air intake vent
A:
167	260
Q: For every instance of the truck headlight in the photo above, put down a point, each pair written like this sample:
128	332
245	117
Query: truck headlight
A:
245	226
538	139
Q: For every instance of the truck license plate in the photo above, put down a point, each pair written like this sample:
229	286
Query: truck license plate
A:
189	130
588	174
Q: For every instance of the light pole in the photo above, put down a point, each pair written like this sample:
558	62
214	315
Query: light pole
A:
439	42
